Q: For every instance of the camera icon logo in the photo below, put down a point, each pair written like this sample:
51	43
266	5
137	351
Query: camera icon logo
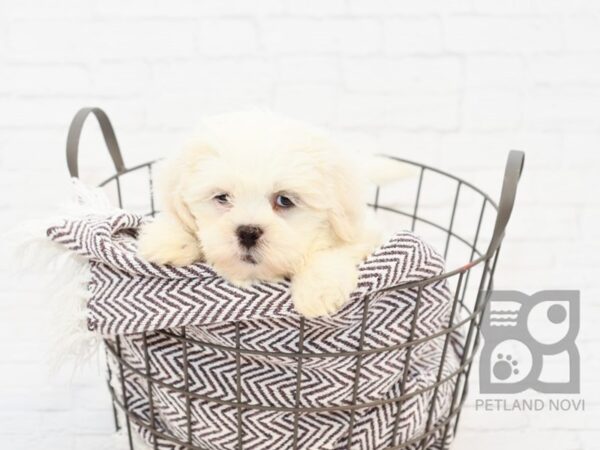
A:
529	343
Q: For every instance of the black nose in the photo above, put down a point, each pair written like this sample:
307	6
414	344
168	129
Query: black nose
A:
248	235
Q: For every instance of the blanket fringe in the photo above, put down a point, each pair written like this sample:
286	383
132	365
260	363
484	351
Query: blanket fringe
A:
66	278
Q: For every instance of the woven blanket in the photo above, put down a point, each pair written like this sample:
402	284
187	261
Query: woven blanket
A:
148	308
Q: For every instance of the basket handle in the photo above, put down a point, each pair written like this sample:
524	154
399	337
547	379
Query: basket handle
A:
107	132
512	174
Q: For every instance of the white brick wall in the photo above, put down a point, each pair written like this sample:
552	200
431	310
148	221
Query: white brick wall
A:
453	83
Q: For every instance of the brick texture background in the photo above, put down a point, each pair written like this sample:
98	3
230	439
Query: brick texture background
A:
451	83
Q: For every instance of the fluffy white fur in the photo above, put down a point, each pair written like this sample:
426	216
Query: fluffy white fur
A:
64	277
232	174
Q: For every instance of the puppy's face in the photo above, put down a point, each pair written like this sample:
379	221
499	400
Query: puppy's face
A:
255	222
263	194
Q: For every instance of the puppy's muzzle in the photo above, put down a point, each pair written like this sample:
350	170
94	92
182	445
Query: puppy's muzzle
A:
248	235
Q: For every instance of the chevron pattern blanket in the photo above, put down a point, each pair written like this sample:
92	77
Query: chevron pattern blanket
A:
149	307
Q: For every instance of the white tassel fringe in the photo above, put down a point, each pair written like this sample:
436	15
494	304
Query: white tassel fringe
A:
66	277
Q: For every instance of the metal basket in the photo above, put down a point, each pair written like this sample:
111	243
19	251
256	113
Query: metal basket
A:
472	277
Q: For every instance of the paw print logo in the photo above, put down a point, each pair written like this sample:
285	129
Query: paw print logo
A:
521	333
505	367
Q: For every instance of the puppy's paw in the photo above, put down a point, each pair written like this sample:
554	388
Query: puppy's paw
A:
165	242
323	289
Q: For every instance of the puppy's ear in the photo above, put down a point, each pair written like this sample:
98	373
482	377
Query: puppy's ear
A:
172	193
176	175
346	214
172	237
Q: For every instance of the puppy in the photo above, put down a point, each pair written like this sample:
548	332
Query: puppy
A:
262	197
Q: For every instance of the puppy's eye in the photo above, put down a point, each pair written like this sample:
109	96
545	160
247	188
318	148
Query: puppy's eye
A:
223	199
281	201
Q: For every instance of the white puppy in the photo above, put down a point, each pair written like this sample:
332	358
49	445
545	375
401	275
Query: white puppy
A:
261	197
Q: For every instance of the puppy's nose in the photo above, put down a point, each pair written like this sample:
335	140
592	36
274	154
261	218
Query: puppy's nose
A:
248	235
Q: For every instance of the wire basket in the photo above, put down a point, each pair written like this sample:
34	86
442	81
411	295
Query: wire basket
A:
476	257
